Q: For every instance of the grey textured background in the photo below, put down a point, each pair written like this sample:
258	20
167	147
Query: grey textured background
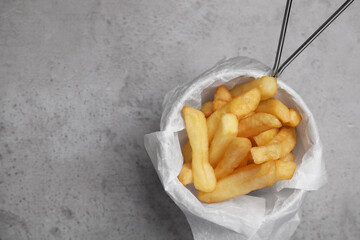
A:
82	82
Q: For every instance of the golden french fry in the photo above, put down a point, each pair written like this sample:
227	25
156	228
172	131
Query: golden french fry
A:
256	124
285	133
203	173
207	108
248	115
276	108
226	131
288	157
223	94
187	152
267	86
284	169
265	137
185	176
242	181
295	118
240	106
217	104
236	155
278	147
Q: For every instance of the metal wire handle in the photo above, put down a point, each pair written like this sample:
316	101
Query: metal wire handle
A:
277	72
282	36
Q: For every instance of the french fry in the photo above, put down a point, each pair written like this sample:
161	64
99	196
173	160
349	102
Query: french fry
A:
276	108
285	133
236	155
242	181
265	137
284	169
207	108
256	124
217	104
295	118
203	173
185	176
278	147
240	106
225	133
267	86
248	115
221	97
187	152
223	94
288	157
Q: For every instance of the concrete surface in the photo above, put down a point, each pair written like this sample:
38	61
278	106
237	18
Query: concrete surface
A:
82	82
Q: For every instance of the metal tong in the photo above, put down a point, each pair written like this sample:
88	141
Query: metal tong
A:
277	70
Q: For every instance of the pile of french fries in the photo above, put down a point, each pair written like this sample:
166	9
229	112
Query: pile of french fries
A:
239	142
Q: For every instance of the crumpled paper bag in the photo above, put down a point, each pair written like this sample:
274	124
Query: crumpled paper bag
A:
270	213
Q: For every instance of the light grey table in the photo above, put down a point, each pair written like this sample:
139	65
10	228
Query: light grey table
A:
83	81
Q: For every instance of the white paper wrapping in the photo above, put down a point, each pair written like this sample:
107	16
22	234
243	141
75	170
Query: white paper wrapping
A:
270	213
